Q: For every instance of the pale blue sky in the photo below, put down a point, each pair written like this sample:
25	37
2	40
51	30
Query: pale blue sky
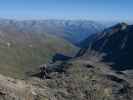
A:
108	10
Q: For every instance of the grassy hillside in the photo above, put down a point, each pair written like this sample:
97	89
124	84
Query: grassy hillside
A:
17	57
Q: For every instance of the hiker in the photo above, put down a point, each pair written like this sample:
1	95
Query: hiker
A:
43	71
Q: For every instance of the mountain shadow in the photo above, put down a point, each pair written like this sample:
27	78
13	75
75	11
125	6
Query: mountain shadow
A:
60	57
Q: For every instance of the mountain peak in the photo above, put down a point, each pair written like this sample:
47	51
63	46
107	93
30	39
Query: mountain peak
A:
121	26
115	29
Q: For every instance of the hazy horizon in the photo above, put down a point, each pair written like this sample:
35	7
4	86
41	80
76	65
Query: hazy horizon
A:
97	10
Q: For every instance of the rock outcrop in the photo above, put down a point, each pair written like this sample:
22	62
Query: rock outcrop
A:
12	89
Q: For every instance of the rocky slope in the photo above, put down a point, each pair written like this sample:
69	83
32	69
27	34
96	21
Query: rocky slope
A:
74	80
115	43
12	89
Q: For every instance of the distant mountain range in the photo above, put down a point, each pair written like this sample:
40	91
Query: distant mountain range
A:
116	44
71	30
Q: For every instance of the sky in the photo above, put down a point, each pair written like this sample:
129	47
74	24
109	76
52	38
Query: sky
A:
102	10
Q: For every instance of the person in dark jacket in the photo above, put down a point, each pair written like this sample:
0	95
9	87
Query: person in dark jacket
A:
43	71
